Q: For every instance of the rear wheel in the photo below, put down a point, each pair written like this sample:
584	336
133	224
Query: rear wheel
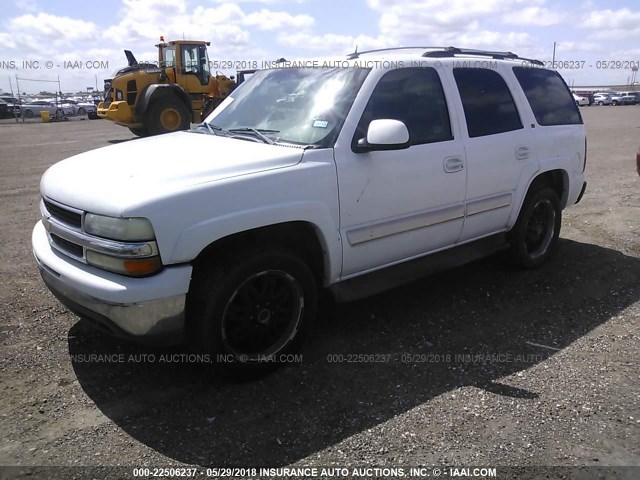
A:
535	234
28	114
251	312
167	114
81	111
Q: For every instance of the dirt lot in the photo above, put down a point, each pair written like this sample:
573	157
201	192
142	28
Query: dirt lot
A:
517	368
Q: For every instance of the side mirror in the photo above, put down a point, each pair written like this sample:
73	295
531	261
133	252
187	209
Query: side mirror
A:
384	134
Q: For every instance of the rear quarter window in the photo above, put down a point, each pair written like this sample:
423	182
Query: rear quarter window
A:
548	96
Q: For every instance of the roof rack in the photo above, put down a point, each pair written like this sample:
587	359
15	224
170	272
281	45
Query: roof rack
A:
442	52
356	54
453	51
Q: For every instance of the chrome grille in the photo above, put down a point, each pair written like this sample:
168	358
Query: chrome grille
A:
67	246
63	215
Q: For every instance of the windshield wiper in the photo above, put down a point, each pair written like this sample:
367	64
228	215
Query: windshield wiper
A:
259	132
212	129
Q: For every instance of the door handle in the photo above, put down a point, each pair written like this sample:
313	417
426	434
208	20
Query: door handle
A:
522	152
453	164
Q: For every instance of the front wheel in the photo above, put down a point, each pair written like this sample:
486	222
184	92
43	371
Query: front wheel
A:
535	234
167	114
252	312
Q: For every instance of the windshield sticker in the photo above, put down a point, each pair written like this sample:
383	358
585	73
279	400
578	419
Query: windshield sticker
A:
320	123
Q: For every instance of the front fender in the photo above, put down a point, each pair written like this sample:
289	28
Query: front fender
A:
158	89
196	238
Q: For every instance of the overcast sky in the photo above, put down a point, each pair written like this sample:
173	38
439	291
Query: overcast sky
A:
591	32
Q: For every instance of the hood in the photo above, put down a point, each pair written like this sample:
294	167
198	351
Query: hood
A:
112	179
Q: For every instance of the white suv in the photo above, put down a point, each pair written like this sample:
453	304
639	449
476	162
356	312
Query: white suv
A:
312	176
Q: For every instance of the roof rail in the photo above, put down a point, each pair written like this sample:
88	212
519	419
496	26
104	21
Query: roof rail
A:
442	52
453	51
356	54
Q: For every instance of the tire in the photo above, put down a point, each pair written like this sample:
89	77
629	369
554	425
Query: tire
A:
601	103
81	111
28	114
534	236
614	103
243	340
167	114
139	132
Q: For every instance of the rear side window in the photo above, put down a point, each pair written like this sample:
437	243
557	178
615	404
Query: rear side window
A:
488	105
548	95
415	97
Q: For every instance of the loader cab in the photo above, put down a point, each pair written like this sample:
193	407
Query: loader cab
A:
190	61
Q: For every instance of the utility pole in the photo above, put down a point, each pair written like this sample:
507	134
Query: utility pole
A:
15	114
19	97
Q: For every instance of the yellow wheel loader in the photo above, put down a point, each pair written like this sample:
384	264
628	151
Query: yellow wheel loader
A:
151	99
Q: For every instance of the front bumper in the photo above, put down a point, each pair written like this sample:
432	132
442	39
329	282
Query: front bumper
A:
119	112
147	310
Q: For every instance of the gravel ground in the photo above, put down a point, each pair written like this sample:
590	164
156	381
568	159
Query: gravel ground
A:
481	365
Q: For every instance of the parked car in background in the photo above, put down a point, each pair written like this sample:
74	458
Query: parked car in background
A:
585	94
581	101
634	96
602	99
68	107
9	107
33	108
81	108
619	98
5	111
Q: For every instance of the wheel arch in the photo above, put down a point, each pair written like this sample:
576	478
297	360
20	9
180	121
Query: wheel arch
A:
557	179
156	92
301	237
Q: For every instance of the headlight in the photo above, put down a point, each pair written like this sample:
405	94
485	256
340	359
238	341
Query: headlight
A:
125	229
136	259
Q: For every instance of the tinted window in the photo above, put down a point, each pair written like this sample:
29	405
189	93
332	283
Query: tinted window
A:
413	96
487	102
549	96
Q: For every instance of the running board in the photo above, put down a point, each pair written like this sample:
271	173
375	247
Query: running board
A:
406	272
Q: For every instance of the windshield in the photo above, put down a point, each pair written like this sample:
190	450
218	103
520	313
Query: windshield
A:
305	106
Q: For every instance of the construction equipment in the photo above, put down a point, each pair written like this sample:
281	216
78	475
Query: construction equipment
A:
151	99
